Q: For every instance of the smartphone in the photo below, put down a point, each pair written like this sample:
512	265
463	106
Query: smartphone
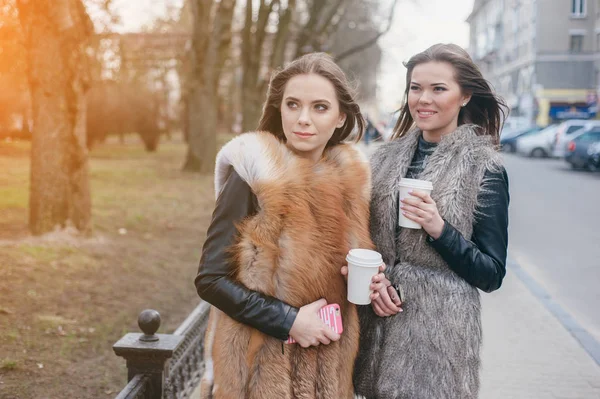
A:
331	315
400	292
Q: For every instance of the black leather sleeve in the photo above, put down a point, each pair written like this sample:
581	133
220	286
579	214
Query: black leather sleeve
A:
481	261
214	281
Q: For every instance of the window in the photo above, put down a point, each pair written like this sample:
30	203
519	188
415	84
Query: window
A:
573	128
576	45
578	8
593	135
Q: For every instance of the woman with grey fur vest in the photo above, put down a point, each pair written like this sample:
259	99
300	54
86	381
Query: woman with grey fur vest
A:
421	336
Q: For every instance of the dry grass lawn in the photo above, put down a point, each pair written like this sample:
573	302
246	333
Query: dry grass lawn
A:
66	299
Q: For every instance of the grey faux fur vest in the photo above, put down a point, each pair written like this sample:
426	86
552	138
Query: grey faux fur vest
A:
431	350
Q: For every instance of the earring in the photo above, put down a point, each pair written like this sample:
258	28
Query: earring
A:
464	104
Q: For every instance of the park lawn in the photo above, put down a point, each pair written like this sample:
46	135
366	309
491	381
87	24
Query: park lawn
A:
66	299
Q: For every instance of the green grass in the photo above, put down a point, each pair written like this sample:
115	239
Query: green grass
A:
8	364
13	198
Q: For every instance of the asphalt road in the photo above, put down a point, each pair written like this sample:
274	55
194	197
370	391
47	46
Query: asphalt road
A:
554	233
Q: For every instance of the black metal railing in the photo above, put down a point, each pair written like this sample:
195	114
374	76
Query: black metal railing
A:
164	366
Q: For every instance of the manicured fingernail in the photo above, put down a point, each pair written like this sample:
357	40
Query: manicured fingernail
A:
400	310
410	191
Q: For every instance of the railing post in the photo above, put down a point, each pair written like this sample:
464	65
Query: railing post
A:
148	353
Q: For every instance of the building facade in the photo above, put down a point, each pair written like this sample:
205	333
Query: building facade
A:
542	56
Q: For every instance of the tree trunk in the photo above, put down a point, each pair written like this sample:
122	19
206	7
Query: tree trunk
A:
208	50
202	140
55	33
253	85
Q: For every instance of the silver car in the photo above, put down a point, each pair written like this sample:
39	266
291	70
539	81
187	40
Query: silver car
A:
538	145
564	134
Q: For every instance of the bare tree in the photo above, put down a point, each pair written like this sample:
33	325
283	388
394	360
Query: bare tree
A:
56	33
211	39
371	41
14	93
273	27
269	31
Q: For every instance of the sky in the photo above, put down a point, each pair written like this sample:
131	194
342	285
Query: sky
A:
417	25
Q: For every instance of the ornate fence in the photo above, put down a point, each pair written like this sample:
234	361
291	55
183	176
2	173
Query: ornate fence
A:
165	366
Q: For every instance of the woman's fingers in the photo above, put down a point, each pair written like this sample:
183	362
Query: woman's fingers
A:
377	286
422	195
394	296
386	302
330	335
379	278
378	311
414	210
413	217
324	340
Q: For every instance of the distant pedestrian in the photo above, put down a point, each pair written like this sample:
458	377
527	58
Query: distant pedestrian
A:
427	345
371	132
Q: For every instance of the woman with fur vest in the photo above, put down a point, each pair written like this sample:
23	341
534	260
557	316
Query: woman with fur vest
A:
426	344
292	200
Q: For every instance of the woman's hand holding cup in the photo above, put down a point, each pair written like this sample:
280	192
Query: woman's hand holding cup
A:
384	299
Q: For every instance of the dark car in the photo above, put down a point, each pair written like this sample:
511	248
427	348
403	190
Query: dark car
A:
594	160
581	149
508	141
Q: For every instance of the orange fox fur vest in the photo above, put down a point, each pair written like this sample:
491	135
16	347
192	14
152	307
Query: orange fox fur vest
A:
309	216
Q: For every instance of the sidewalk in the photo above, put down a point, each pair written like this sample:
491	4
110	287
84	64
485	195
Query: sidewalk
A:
527	353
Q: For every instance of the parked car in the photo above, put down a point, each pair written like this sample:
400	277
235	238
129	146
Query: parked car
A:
564	132
581	148
594	160
508	139
538	145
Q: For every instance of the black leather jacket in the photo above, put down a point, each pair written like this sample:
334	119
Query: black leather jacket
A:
214	281
481	261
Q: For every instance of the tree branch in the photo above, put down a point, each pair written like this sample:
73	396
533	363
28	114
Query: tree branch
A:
307	30
283	30
326	22
370	42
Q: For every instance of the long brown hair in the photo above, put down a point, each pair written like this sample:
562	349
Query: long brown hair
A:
485	109
323	65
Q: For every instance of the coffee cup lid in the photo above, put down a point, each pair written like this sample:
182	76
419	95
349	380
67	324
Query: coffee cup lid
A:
364	257
416	183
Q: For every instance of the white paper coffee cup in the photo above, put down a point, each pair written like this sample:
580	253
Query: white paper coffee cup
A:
405	186
363	264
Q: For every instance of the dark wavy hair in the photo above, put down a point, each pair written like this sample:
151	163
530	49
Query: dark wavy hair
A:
485	109
323	65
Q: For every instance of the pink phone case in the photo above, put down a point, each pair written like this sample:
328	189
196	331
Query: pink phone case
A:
331	315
